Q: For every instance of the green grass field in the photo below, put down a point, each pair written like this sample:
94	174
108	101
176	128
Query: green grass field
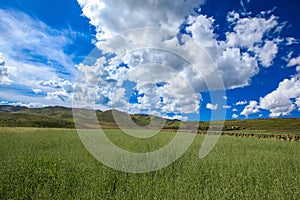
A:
53	164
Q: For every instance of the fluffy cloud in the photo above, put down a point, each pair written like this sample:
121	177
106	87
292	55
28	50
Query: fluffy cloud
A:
202	30
267	53
298	103
248	44
226	107
233	61
59	89
249	32
212	106
235	116
228	54
111	17
61	95
252	108
57	84
254	35
291	40
152	91
241	103
37	91
280	102
251	42
229	59
295	62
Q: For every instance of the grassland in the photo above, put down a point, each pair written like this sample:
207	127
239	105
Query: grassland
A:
53	164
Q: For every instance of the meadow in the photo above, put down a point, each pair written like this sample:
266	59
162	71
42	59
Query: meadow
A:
52	163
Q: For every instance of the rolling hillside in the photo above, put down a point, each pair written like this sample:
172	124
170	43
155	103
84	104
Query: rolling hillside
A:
59	117
62	117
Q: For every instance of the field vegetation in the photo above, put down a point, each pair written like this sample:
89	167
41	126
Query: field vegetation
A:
52	163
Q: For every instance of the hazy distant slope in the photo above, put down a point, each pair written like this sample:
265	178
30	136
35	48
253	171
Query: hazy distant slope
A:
8	108
62	117
17	116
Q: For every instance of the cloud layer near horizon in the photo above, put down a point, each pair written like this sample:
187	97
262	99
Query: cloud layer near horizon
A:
31	53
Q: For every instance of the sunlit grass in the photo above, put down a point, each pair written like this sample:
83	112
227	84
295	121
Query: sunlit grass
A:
53	164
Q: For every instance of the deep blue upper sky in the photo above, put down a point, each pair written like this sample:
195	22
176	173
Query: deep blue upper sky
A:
43	42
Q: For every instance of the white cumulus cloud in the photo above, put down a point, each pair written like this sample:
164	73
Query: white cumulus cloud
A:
252	108
241	103
235	116
281	102
249	32
250	42
212	106
294	61
267	53
111	17
226	107
298	103
57	89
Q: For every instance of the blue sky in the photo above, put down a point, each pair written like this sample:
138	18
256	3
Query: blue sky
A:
254	44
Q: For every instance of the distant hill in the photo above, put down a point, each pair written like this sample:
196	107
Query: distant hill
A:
19	116
8	108
62	117
57	112
267	124
29	120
